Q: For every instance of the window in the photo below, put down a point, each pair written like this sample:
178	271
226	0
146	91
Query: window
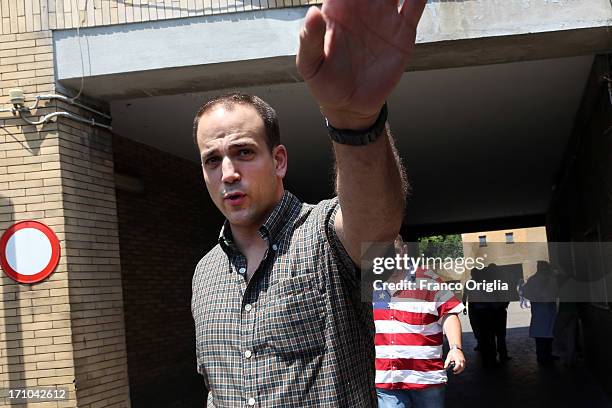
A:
509	237
482	240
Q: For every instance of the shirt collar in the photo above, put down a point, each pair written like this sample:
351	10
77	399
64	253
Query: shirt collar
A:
274	225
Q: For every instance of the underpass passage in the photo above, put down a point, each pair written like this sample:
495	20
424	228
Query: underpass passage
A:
521	382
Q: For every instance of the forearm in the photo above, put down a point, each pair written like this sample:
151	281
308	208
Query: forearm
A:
344	48
371	187
452	329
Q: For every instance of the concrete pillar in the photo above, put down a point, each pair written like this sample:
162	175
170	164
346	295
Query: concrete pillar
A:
67	331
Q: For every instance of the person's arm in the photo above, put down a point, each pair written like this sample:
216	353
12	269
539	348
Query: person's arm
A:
464	300
371	191
452	328
352	55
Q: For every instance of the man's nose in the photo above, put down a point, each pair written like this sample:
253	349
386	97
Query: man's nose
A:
230	173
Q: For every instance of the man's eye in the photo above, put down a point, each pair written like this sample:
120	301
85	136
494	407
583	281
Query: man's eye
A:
211	160
245	152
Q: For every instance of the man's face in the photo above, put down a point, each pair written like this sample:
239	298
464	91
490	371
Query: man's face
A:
243	178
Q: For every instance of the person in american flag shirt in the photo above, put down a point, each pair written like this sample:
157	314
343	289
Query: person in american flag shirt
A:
410	370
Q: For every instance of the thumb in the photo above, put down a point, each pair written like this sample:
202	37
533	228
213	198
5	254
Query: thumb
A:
447	362
311	52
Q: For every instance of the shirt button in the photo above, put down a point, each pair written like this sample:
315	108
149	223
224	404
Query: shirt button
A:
248	307
251	401
248	354
275	247
242	270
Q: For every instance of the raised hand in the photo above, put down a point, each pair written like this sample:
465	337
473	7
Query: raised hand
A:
352	55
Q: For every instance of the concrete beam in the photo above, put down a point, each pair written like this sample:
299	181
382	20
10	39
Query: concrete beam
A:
258	48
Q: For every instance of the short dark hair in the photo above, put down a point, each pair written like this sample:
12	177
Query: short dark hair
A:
265	111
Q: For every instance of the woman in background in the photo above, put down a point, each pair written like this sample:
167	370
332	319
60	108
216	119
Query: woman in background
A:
541	290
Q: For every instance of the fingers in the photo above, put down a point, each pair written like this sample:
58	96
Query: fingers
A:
447	362
459	361
311	52
459	367
412	10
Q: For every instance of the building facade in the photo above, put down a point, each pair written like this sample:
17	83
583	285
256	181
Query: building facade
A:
524	246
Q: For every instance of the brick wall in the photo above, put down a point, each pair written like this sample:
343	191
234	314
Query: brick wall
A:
582	208
35	330
18	16
92	247
68	330
164	230
593	219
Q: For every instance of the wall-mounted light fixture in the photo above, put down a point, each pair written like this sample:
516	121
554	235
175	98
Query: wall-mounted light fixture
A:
17	99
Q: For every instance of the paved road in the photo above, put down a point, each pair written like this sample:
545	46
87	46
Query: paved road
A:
521	383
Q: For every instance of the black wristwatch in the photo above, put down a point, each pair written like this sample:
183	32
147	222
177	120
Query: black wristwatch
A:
359	137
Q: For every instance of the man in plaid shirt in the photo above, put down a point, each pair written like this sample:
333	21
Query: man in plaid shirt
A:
276	304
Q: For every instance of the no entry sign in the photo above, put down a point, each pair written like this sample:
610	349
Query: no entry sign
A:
29	251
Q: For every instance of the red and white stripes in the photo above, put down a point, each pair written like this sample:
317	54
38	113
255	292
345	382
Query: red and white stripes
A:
409	337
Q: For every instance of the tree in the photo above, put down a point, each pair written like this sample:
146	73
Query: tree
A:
441	246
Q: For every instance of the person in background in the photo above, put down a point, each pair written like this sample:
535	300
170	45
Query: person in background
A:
410	370
481	312
469	299
567	333
500	314
541	290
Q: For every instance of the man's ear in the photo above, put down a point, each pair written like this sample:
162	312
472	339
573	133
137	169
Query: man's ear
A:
279	155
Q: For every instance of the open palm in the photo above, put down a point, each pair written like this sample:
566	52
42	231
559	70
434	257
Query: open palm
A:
353	53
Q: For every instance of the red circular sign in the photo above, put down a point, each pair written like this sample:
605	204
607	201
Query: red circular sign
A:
29	251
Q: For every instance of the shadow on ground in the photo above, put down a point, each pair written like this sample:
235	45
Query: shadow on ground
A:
522	383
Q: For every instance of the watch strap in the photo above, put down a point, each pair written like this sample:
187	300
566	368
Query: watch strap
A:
359	137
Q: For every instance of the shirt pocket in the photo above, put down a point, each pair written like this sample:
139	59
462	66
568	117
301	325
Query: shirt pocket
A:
294	317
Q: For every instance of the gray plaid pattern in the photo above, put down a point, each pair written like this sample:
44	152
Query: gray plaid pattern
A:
298	334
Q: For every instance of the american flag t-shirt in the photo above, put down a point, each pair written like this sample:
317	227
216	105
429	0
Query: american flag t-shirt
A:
409	334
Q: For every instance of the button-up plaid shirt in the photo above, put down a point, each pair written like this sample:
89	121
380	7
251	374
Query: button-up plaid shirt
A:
298	334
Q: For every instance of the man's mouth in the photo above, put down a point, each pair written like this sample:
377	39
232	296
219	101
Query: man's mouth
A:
235	198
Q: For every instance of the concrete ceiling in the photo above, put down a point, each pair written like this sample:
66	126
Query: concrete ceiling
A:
478	142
